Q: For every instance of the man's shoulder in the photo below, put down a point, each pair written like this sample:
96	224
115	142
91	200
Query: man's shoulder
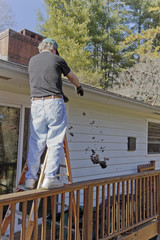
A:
35	56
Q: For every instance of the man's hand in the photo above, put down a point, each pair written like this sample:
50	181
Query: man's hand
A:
65	98
80	91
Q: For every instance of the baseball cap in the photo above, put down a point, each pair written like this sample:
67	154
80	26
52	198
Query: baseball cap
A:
50	40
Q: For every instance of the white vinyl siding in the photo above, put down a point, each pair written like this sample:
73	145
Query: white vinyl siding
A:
104	130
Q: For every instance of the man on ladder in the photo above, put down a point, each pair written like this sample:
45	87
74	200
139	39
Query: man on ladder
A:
48	121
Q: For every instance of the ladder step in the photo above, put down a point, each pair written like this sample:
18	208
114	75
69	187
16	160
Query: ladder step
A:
61	174
4	237
63	165
22	187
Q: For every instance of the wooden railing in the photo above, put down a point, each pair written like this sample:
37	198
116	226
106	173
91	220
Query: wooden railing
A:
105	208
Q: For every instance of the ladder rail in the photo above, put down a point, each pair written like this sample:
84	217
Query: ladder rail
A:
30	224
7	218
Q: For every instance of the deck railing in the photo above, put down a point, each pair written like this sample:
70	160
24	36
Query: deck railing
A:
104	208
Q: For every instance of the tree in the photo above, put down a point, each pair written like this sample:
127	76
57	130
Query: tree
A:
146	29
88	33
67	24
106	30
6	16
140	82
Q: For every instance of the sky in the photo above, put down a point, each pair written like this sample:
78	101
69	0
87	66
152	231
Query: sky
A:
24	12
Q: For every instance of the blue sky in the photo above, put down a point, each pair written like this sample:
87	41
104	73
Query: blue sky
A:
25	13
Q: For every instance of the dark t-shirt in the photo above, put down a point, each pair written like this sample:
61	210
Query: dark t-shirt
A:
45	71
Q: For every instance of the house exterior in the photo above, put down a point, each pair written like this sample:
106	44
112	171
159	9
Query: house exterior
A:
108	135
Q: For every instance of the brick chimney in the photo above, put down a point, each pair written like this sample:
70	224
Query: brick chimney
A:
20	46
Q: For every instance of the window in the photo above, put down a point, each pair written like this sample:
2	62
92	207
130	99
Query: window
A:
153	138
9	133
26	135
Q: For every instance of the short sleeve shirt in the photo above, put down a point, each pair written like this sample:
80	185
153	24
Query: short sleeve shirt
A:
45	70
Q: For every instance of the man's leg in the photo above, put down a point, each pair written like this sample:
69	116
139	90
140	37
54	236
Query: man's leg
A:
57	125
37	140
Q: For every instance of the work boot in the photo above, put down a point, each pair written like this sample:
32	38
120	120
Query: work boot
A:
51	183
29	183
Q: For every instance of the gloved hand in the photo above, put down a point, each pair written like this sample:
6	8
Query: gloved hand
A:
80	91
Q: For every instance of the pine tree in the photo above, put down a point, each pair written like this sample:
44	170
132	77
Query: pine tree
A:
88	33
67	24
146	28
106	30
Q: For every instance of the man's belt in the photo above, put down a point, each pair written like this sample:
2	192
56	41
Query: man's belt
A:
48	97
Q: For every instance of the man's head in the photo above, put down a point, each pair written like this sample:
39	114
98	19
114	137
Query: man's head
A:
48	44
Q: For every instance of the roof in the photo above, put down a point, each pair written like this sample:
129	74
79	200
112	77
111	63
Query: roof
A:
7	68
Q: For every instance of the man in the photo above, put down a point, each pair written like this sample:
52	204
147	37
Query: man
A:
48	121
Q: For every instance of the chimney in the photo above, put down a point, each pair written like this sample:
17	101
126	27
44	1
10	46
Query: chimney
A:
20	46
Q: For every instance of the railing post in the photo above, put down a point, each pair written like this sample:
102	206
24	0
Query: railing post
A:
158	203
88	211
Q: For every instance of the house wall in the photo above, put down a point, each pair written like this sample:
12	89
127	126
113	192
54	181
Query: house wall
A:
104	130
99	129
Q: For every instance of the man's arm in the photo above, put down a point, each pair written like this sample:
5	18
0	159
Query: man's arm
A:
73	78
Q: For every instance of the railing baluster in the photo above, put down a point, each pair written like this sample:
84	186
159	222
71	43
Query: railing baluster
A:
135	206
127	205
123	205
151	195
43	232
147	200
61	233
131	207
88	213
77	214
143	198
113	208
84	214
103	211
108	222
139	197
154	196
97	214
157	194
24	214
118	208
12	222
35	234
1	215
70	216
53	210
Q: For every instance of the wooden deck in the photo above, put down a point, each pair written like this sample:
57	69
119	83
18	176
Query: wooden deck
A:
107	208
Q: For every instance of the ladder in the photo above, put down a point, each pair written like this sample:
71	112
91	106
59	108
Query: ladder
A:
19	188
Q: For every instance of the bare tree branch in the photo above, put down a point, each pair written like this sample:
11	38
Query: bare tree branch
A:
141	82
6	16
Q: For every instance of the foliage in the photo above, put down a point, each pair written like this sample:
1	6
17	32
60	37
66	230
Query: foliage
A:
101	38
106	29
67	24
88	33
140	82
144	40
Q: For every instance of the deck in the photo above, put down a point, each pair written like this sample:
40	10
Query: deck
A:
108	208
